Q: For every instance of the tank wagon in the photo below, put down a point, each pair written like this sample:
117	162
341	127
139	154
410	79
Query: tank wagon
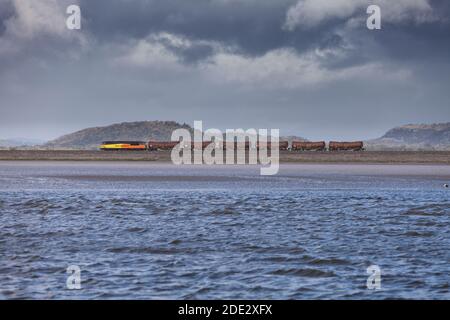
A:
346	146
161	145
308	146
282	145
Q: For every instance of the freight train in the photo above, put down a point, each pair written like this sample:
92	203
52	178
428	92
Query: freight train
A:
282	145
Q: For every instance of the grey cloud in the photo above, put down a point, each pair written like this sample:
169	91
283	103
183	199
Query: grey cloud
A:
240	68
36	31
6	12
312	13
251	27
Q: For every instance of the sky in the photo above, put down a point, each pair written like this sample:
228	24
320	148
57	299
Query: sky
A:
310	68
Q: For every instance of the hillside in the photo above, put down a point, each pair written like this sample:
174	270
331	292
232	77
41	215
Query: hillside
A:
414	137
91	138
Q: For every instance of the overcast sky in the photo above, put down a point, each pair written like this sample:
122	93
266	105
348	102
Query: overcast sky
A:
308	67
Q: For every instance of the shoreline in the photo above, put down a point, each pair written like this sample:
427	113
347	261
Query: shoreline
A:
286	157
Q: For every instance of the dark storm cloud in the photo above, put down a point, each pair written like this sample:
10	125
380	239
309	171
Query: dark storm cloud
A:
255	27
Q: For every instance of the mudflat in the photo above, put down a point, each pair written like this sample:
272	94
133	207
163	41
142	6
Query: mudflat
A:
393	157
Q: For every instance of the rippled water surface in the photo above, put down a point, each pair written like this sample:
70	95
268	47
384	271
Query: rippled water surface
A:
151	231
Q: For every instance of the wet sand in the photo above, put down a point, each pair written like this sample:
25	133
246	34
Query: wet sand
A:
388	157
131	172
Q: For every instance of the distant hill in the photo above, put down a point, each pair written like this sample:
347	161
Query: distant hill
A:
19	142
91	138
414	137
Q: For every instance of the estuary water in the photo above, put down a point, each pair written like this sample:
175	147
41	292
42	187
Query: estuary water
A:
158	231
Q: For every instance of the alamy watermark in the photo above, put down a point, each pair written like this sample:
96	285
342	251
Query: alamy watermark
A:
374	20
73	281
240	147
73	22
374	279
373	282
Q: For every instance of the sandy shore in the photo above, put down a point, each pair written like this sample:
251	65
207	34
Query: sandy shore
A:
393	157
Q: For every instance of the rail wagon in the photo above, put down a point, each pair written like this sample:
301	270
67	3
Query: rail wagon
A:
308	146
123	145
283	145
346	146
161	145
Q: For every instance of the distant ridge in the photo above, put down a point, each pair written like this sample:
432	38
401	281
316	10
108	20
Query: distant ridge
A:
414	137
293	138
19	142
407	137
91	138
